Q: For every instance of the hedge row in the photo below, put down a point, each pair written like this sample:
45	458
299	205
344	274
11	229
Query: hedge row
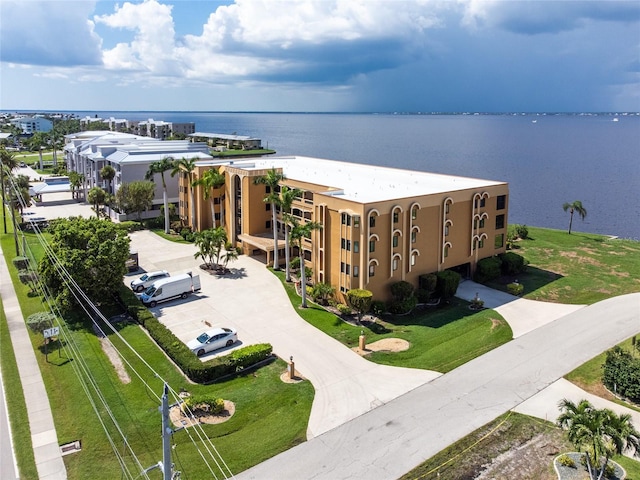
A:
185	359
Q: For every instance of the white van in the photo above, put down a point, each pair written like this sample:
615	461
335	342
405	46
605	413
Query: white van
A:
171	287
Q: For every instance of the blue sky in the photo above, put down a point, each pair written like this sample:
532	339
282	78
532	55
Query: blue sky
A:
320	55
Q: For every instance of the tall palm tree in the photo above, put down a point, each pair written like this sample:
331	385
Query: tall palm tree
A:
8	163
108	173
601	433
272	180
161	166
210	181
287	197
36	142
187	165
577	208
300	231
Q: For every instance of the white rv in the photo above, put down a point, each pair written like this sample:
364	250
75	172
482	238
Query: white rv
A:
171	287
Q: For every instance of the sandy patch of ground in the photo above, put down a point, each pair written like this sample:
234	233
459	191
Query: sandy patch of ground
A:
180	420
384	345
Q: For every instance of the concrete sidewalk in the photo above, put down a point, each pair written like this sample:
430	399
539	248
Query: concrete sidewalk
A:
46	450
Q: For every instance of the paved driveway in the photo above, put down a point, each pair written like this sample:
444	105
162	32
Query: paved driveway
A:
252	300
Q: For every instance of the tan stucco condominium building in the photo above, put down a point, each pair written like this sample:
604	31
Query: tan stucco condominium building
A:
379	225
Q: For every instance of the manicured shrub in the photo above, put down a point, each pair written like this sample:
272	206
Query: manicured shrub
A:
21	263
512	263
344	309
447	285
213	405
515	288
487	269
360	300
378	307
428	283
522	231
401	290
400	307
423	295
130	226
294	264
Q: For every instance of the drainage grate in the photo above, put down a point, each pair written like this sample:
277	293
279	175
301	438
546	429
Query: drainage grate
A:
72	447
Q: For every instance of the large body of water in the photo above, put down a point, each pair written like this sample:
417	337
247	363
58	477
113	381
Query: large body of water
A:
547	159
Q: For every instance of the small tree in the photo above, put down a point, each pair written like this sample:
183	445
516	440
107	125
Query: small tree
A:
96	197
135	197
576	207
360	300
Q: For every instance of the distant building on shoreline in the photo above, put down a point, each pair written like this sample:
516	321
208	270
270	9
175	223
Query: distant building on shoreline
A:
157	129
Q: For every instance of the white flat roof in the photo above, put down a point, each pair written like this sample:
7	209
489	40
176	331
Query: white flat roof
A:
359	182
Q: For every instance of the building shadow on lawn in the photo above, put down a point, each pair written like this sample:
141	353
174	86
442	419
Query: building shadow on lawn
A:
433	317
532	279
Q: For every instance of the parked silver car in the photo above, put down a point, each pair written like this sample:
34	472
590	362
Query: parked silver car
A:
147	280
212	340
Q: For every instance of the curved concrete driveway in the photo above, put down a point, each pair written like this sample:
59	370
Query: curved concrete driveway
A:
522	315
391	440
252	300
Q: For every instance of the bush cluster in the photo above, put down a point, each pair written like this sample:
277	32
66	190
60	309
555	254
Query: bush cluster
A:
185	359
515	288
566	461
130	226
215	406
622	374
404	299
447	284
490	268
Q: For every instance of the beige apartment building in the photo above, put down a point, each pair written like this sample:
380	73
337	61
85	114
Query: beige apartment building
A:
379	225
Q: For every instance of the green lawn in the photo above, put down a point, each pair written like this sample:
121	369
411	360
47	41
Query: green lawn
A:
270	417
580	268
441	339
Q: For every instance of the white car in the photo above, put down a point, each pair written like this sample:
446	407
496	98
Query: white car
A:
147	280
212	340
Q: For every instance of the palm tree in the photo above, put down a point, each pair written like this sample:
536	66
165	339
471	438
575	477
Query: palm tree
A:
601	433
36	142
75	179
272	180
161	166
574	207
210	181
8	163
96	196
187	165
108	173
300	231
287	197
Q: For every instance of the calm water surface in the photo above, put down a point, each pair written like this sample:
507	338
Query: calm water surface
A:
547	159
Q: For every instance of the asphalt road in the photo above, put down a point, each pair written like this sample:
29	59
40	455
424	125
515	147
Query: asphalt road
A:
389	441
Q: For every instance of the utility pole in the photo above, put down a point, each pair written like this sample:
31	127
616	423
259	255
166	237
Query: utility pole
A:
167	431
166	435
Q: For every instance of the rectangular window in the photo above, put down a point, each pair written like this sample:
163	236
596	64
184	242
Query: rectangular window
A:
413	260
414	213
348	245
413	236
372	270
499	222
372	221
268	206
307	255
395	264
216	201
356	246
341	267
267	189
446	230
372	246
347	269
481	223
396	217
356	221
501	202
342	243
499	241
482	202
480	243
446	207
395	241
356	271
267	224
446	251
348	220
